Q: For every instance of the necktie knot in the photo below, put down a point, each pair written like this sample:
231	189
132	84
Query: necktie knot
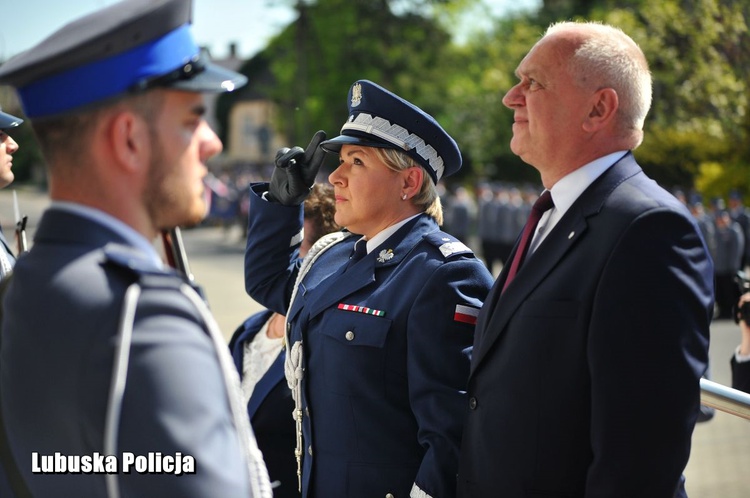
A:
543	203
359	251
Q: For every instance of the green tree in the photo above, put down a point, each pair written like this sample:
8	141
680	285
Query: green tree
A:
335	42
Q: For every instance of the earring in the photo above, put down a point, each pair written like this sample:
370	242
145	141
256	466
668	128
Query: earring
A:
403	197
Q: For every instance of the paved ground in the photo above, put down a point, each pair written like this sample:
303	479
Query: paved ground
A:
721	447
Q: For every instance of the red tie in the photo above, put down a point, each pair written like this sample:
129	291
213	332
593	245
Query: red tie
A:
542	204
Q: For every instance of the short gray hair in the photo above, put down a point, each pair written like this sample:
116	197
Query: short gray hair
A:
609	58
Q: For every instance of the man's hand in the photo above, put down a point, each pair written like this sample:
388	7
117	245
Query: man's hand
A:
295	172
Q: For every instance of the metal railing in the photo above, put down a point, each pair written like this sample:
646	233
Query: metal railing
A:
725	398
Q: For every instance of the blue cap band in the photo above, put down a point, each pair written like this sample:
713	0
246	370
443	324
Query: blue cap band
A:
108	77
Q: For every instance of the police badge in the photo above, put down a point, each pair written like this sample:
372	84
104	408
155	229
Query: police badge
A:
356	94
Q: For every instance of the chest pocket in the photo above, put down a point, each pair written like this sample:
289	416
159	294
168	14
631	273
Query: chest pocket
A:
354	352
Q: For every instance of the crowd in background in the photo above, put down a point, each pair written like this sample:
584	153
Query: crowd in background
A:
489	217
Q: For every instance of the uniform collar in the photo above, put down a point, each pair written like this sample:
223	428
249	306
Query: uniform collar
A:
131	237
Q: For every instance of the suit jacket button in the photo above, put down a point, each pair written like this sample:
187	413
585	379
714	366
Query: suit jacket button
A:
473	403
349	336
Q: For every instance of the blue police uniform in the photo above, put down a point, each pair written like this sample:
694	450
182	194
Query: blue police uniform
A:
60	324
384	340
114	378
7	259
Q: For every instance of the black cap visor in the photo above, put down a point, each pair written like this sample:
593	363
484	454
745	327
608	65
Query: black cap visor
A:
8	121
197	75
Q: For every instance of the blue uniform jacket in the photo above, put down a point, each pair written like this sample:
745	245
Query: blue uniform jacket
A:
585	371
384	385
59	329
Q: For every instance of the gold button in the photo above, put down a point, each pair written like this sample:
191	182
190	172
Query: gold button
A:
389	495
349	336
309	450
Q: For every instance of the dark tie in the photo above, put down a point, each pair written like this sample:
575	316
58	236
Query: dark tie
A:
358	252
542	204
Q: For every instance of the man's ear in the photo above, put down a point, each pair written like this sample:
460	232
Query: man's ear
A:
604	105
130	140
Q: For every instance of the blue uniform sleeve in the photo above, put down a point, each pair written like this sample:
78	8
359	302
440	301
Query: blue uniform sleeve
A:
272	251
440	329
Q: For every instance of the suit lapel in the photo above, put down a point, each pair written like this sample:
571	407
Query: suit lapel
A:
494	318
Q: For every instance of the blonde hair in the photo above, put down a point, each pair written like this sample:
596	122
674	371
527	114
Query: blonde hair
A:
427	199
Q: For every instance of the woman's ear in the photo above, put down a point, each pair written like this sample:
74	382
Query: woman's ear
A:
413	178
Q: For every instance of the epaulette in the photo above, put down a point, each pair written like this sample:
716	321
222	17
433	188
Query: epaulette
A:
447	244
141	267
128	257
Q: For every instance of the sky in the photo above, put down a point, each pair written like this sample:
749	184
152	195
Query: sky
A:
216	23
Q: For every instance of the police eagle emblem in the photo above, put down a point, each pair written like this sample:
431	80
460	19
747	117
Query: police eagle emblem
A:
385	255
356	94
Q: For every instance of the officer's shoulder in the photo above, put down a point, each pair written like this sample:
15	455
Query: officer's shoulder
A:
139	267
448	245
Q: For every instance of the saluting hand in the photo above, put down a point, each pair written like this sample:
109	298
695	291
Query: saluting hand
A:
295	172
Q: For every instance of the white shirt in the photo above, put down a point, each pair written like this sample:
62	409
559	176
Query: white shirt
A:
383	235
568	189
257	357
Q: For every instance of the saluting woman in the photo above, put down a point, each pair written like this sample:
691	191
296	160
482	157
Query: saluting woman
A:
382	313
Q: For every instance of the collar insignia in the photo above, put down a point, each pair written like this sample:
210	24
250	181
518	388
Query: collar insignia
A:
385	255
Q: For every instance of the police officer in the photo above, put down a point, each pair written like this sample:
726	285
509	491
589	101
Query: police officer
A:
104	352
8	147
379	321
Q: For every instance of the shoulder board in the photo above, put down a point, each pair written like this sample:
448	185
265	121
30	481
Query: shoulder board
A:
128	257
447	244
141	267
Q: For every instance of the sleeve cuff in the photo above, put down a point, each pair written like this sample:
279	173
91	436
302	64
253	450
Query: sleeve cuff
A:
741	358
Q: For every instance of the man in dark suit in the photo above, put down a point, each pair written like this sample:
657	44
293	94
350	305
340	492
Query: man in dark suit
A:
115	378
586	367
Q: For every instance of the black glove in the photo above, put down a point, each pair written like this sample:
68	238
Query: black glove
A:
295	172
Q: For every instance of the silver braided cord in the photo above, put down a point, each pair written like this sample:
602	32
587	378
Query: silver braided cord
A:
293	364
260	484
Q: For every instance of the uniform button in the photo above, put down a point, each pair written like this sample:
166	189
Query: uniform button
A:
473	403
309	450
389	495
307	412
349	336
288	327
